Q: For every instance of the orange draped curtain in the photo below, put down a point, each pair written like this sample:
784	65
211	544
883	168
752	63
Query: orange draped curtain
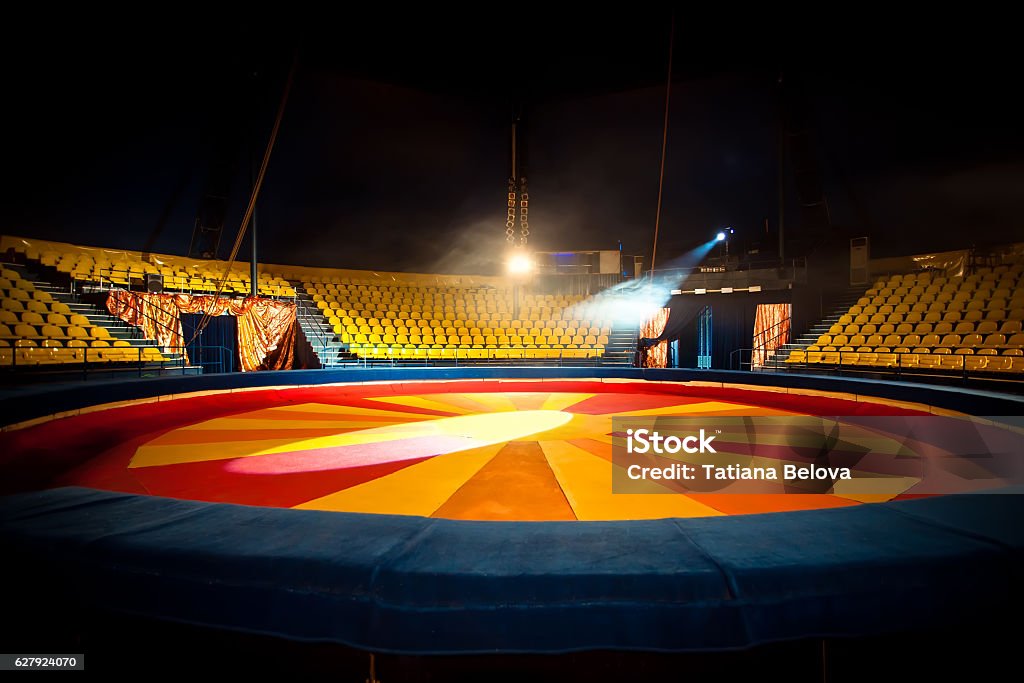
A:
266	328
655	356
771	330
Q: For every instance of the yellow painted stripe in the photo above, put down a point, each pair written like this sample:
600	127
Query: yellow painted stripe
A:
337	410
247	424
423	402
476	429
494	402
416	490
705	408
586	480
561	401
154	455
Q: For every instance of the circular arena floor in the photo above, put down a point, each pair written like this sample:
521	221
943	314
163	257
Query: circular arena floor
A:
478	450
477	515
481	451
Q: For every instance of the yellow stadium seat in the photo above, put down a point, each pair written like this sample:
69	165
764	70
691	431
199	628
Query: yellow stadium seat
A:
1010	327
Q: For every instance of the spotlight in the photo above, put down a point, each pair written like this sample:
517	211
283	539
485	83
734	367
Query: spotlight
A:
519	264
720	237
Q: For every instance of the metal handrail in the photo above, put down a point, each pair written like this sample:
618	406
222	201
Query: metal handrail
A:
903	368
314	320
92	358
750	351
783	332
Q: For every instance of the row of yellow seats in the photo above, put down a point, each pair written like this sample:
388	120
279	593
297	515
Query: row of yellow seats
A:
969	341
420	290
460	319
391	295
396	319
50	356
393	292
923	304
17	288
376	326
331	301
23	331
71	343
36	318
919	358
448	314
10	274
467	318
950	289
408	308
427	299
982	273
963	350
558	330
204	286
414	305
430	293
452	340
932	317
17	307
87	264
983	327
374	285
451	353
352	331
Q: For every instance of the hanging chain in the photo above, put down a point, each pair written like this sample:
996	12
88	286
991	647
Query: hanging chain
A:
510	221
524	209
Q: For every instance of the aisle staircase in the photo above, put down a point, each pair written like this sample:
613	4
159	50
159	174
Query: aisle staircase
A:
776	360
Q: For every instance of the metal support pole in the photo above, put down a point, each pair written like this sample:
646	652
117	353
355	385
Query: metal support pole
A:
781	177
373	670
254	285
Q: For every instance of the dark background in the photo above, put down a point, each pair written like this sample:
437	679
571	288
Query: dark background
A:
393	150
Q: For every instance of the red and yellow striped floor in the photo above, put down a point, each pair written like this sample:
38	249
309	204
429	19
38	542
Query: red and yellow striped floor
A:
460	450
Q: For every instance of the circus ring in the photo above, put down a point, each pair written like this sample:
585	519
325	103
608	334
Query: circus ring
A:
468	511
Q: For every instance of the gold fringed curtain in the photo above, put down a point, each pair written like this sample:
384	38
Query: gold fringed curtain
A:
266	328
771	330
266	334
655	356
157	315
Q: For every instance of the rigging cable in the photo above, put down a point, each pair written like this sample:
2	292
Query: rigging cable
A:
664	144
205	320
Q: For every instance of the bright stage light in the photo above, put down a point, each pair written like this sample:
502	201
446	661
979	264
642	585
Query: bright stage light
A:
720	237
519	264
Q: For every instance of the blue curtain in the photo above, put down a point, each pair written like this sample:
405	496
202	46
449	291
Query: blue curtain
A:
732	324
217	348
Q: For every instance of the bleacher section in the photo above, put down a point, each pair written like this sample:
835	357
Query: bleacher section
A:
927	322
407	320
347	315
106	268
41	325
